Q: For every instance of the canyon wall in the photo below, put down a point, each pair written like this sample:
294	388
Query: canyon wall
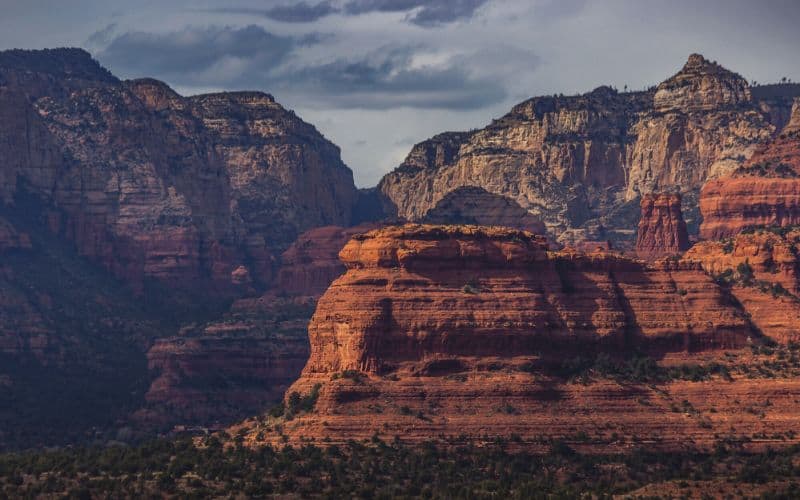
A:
155	185
580	163
764	192
465	334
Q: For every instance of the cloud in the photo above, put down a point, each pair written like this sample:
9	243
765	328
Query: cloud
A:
425	13
103	36
199	56
252	58
389	79
300	12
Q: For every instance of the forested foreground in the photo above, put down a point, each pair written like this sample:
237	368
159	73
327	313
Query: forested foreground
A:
199	469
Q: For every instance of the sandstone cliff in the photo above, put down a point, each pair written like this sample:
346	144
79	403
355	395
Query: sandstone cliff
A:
230	368
763	270
155	185
242	363
413	293
764	192
476	206
581	162
465	333
311	263
662	231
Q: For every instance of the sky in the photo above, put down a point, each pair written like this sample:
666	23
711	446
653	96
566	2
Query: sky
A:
378	76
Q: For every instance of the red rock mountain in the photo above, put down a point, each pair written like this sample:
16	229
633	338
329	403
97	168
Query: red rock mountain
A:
412	293
155	185
662	231
236	365
579	163
463	332
764	192
189	202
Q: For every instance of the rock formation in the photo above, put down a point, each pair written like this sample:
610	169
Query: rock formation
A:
763	270
662	230
155	185
465	333
764	192
582	161
237	366
243	363
476	206
311	263
417	292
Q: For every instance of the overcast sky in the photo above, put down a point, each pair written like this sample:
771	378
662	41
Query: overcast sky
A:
377	76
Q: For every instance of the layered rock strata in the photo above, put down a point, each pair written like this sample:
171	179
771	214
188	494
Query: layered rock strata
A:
155	185
417	292
243	363
464	333
311	263
662	230
582	161
762	269
476	206
764	192
228	369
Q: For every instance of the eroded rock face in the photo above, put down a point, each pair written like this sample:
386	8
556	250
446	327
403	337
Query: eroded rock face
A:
228	369
662	230
311	263
580	162
461	332
474	205
155	185
701	86
763	270
416	292
243	363
764	192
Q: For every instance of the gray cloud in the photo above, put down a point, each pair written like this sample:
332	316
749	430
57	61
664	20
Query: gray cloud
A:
103	36
300	12
426	13
198	56
388	79
254	58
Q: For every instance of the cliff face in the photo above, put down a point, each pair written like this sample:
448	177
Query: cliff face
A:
764	192
662	230
311	263
242	363
230	368
762	268
476	206
154	185
417	292
464	332
576	162
199	194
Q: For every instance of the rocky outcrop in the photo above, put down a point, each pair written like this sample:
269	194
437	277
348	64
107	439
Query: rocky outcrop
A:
662	231
413	293
243	363
764	192
701	86
466	333
580	163
154	185
228	369
476	206
312	262
762	268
